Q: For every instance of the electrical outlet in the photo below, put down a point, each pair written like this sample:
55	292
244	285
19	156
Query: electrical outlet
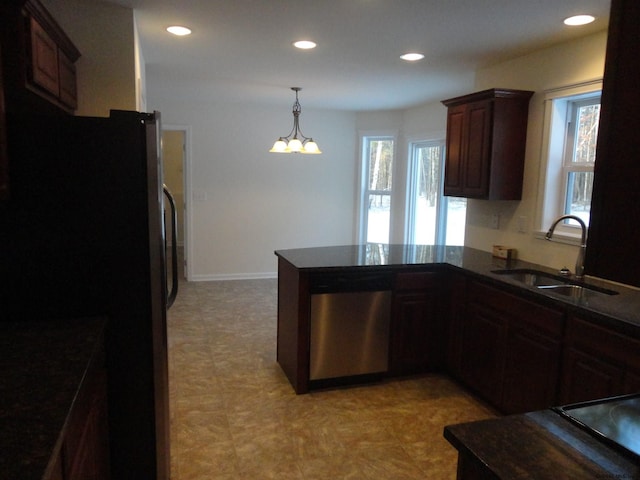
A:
199	196
522	224
495	221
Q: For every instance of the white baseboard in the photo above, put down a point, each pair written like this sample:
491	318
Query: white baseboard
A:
233	276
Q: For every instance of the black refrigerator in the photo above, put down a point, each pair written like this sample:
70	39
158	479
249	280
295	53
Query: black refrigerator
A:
81	235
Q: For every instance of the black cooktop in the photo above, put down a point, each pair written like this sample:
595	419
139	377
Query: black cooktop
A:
614	420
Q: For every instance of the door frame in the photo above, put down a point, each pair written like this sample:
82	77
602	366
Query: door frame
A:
186	179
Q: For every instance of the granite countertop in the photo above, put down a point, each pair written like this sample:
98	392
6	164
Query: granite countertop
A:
537	446
622	309
42	366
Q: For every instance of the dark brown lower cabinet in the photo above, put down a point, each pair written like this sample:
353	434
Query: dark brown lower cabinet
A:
632	381
509	349
85	447
456	300
85	450
531	369
470	468
598	362
417	340
483	351
587	377
517	349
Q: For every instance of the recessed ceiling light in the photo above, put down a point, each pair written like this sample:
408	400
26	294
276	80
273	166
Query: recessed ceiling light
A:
412	57
579	20
179	30
304	44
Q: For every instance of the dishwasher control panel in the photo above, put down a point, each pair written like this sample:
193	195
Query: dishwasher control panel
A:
342	281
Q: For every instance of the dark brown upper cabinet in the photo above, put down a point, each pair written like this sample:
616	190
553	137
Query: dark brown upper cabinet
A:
51	58
614	227
486	137
39	59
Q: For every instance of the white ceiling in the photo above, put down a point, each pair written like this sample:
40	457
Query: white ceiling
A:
242	48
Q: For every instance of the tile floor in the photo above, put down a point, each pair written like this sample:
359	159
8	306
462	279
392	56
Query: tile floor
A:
235	416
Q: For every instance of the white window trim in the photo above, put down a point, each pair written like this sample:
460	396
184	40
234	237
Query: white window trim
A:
409	226
551	188
362	178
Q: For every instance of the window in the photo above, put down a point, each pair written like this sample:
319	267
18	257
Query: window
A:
570	134
377	188
432	218
580	156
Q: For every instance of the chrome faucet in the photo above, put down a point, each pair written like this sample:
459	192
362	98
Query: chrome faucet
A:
583	241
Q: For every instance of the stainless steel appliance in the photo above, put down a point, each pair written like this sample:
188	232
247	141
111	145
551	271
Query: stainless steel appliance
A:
171	286
350	315
614	420
82	235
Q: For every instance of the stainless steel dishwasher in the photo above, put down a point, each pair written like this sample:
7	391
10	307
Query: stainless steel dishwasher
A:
350	316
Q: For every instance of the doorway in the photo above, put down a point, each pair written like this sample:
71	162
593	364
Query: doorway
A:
175	161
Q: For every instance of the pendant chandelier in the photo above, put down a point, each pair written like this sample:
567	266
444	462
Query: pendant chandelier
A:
295	142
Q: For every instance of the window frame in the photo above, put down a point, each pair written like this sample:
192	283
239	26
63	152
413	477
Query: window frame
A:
441	214
364	191
569	165
554	171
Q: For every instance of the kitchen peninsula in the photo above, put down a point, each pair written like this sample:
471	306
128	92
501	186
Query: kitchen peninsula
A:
457	310
536	446
479	321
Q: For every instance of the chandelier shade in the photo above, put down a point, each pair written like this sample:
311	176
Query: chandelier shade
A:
295	142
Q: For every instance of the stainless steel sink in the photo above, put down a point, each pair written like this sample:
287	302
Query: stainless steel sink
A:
553	283
532	278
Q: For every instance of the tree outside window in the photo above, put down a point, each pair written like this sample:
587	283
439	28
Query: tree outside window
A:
378	166
580	156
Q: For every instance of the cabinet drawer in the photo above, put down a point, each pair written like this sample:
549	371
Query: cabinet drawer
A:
601	341
415	280
544	319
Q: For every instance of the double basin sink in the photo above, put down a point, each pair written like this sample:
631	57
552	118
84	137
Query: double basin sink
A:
554	283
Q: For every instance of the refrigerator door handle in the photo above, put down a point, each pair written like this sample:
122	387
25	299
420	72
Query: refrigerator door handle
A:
171	297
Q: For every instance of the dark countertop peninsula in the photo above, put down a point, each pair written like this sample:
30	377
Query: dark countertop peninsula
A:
537	445
43	366
622	310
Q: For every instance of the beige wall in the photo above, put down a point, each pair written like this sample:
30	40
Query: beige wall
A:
245	202
249	203
173	173
562	65
105	35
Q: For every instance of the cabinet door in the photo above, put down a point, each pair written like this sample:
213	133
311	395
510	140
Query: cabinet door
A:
453	182
478	149
457	290
511	349
598	362
483	351
85	449
44	59
588	377
468	151
531	372
417	341
415	328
